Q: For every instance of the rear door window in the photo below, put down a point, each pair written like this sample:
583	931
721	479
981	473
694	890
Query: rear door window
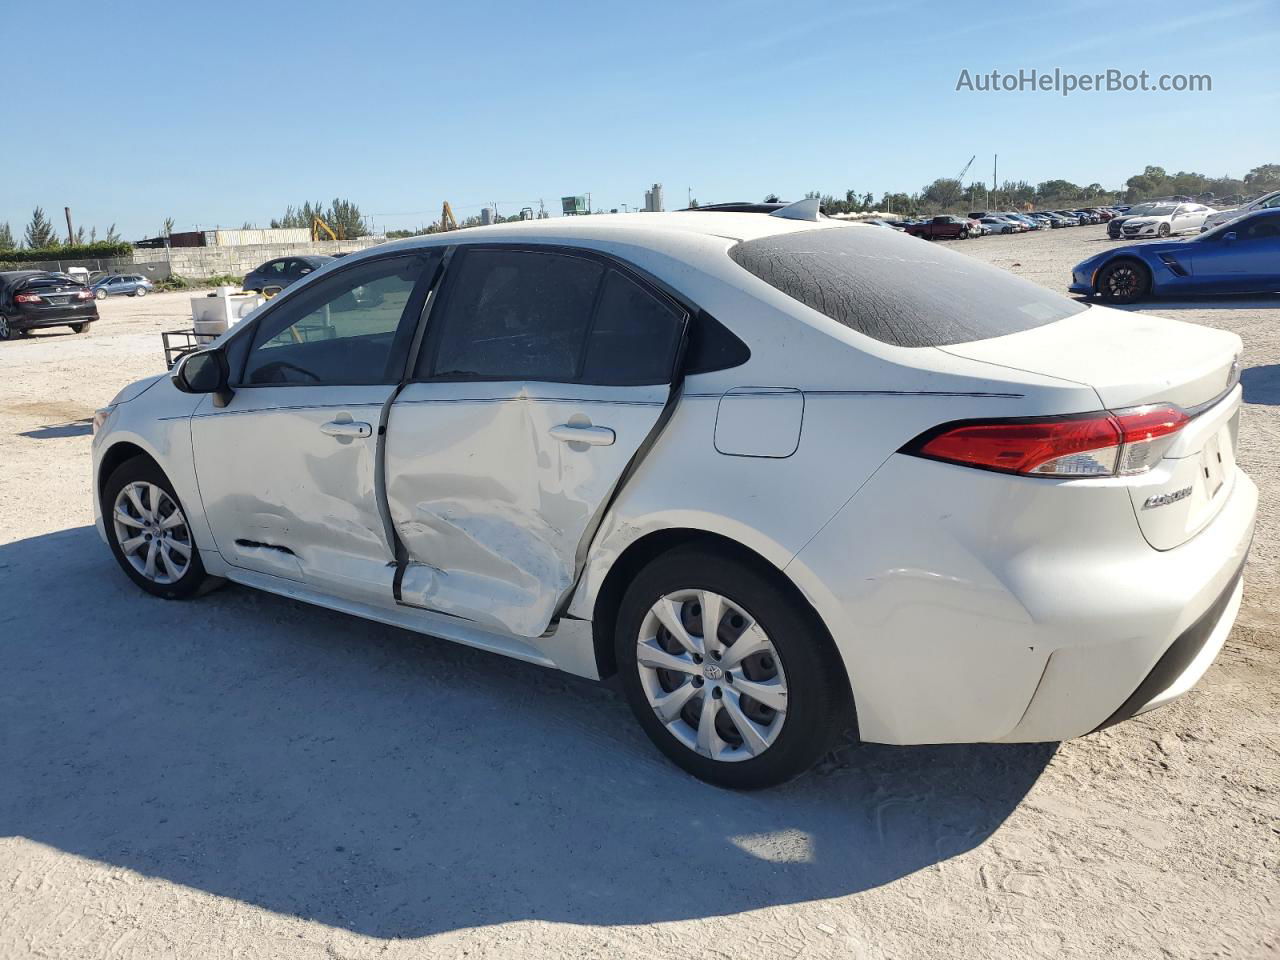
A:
895	289
516	315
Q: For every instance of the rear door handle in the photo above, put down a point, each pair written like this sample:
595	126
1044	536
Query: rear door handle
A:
346	428
596	436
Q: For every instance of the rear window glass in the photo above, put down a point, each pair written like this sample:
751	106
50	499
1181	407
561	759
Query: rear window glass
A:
900	289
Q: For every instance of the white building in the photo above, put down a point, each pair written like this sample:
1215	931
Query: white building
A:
653	199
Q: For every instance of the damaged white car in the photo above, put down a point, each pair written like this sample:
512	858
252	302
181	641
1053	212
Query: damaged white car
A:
1165	219
786	476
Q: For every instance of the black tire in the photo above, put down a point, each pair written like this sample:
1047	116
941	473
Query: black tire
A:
1164	230
964	234
100	294
140	292
6	330
79	327
818	699
194	580
1124	281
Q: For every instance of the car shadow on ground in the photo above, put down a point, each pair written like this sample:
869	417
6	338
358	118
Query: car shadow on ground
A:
56	431
1261	384
396	786
1233	301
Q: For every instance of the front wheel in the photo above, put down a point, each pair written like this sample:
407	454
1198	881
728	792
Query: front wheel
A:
78	327
729	675
140	292
6	331
100	294
1124	282
148	532
1164	230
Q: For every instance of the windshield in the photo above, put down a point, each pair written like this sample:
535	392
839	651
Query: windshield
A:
894	288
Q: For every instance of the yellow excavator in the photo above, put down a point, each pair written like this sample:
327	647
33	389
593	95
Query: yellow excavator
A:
318	225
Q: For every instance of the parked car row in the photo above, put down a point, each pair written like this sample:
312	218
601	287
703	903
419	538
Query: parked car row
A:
980	223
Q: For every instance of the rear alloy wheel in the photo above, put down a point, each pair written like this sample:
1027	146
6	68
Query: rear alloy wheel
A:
727	674
1126	281
100	294
148	532
6	331
140	292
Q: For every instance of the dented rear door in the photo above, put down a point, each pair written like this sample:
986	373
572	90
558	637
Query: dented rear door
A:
544	376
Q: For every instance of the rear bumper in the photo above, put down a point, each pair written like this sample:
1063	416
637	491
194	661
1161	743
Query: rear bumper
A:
1015	613
52	318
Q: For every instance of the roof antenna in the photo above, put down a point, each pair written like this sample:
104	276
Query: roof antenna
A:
810	209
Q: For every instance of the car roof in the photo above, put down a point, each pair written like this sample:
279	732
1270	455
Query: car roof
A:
11	277
643	229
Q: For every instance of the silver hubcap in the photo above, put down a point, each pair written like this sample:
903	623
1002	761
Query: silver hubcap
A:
152	532
711	675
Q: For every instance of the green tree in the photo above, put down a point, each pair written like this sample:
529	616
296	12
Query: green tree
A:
112	235
167	227
773	198
1263	179
39	234
345	219
6	238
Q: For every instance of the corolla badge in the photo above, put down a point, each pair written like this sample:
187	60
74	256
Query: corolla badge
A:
1164	499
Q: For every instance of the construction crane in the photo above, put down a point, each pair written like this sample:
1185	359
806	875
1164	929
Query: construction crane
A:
960	181
447	219
317	225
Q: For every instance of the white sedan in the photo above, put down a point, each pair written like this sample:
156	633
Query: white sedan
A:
1166	219
1268	201
784	475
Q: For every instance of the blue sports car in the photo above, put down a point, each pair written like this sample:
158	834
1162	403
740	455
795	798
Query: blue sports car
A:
1240	256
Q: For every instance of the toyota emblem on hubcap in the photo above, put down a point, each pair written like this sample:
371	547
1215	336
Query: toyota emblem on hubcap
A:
712	672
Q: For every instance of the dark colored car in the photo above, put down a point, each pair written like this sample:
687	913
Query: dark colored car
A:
37	298
118	284
283	271
1241	256
876	222
942	228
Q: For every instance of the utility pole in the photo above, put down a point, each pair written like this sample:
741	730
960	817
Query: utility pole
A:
995	183
71	234
688	199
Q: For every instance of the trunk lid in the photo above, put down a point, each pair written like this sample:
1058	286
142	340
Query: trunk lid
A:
1131	359
1128	358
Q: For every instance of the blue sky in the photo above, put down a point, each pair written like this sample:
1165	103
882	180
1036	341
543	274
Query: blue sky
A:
221	114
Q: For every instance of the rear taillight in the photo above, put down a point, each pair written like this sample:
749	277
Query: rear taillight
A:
1103	444
27	298
84	295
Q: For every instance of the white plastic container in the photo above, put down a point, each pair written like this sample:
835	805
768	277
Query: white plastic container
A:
212	315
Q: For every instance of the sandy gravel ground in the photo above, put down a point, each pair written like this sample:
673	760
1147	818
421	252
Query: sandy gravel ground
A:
244	776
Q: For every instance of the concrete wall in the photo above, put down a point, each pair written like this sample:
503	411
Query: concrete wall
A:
198	263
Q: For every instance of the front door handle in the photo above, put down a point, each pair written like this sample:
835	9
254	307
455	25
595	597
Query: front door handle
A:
595	436
346	428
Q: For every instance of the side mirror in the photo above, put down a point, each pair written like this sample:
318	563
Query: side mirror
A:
204	371
1229	237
